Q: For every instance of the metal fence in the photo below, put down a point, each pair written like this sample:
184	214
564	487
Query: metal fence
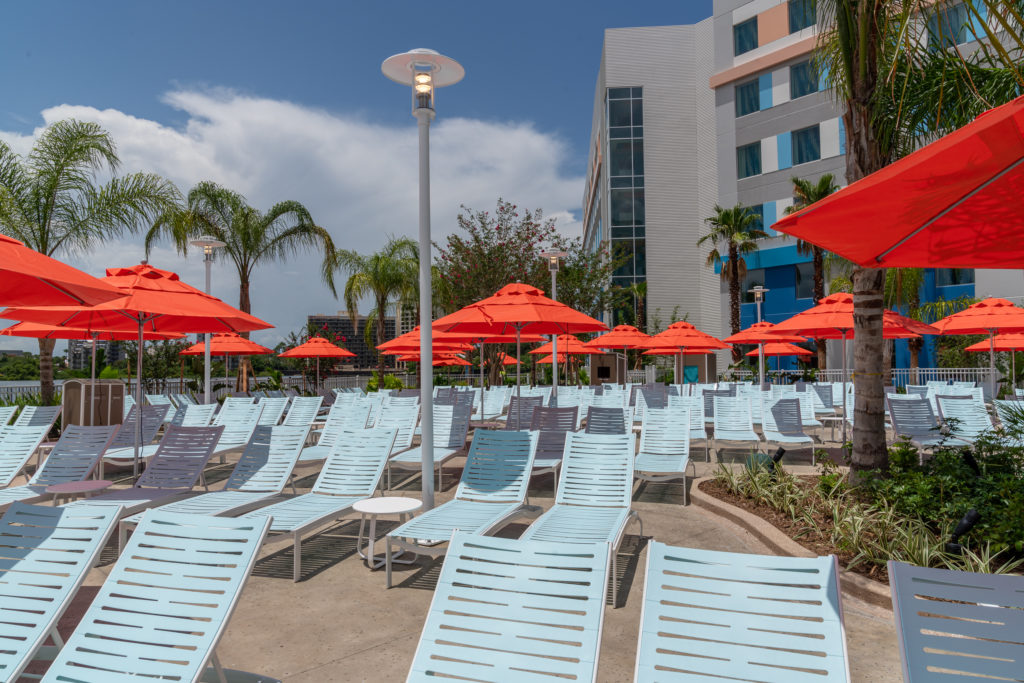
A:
901	377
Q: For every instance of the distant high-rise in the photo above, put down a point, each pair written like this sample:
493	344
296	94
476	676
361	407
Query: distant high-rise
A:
354	337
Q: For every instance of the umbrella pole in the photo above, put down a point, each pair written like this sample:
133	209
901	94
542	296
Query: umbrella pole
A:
844	387
992	363
1013	370
519	398
481	346
92	383
554	363
138	406
317	389
760	364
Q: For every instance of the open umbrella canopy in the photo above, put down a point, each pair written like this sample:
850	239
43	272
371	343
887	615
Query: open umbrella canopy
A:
317	347
832	318
37	331
506	359
1000	342
410	341
687	351
763	333
621	337
782	349
156	298
28	278
519	307
567	344
227	344
439	359
953	203
682	335
985	317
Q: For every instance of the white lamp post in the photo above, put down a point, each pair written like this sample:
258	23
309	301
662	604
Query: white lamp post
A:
554	259
425	70
759	292
208	244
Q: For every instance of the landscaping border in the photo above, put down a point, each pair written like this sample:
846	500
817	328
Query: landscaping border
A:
857	585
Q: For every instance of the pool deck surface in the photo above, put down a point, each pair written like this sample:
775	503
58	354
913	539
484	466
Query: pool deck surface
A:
340	623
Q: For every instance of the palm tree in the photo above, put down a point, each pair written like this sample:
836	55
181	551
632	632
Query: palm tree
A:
52	201
251	238
806	193
732	229
892	87
387	277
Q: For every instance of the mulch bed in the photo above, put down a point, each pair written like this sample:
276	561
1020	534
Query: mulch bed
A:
815	541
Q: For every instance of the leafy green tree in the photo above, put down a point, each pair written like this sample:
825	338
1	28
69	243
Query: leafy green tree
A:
386	277
805	193
53	201
732	231
252	238
898	90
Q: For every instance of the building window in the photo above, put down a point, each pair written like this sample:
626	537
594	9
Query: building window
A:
946	277
744	36
758	213
748	98
620	157
801	15
806	145
803	80
947	27
754	278
748	160
804	280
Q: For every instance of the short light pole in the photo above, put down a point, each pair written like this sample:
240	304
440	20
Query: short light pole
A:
554	259
759	293
425	70
208	244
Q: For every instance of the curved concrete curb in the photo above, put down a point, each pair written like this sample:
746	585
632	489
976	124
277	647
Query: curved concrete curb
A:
856	585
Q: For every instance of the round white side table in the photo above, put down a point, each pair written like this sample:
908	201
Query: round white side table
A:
386	505
85	488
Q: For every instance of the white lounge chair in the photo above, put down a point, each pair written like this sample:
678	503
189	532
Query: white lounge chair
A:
17	444
664	452
451	425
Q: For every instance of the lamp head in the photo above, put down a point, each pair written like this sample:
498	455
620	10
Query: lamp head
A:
758	292
425	70
208	244
553	258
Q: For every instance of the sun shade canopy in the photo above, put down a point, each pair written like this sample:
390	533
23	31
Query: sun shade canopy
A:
763	333
782	349
832	318
522	307
28	278
952	204
622	337
317	347
227	344
985	317
37	331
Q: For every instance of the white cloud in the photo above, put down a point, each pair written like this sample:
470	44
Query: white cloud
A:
357	177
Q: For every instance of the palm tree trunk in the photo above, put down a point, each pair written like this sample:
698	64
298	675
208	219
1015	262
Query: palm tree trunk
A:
382	307
915	357
869	450
244	305
819	294
734	298
46	390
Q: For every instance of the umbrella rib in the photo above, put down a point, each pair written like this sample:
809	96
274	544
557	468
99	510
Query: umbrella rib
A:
62	290
949	208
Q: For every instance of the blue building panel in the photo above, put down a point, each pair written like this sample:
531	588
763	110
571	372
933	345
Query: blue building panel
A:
785	144
770	216
764	87
842	136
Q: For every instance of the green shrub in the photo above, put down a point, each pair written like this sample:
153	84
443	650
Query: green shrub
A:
390	382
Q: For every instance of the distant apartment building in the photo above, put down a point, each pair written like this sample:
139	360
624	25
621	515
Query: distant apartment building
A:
727	111
354	337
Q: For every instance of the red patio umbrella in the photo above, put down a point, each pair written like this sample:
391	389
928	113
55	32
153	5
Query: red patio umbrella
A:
227	344
761	333
517	308
153	300
988	316
681	335
622	337
951	204
567	344
832	318
37	331
506	359
779	349
1002	342
440	360
318	347
28	278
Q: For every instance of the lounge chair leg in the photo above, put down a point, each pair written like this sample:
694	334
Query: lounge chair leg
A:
215	660
389	474
387	558
55	636
297	563
122	537
685	499
615	579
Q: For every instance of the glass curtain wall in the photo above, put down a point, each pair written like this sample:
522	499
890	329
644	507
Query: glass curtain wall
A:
626	192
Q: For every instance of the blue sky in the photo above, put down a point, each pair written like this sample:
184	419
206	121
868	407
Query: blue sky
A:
285	100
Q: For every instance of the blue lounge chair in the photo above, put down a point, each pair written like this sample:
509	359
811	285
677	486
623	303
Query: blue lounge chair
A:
350	475
121	452
166	603
262	472
174	470
733	423
711	615
957	626
492	493
6	413
17	444
451	425
73	458
781	423
514	610
273	409
344	417
45	554
605	420
966	416
664	452
594	495
303	411
194	415
38	416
